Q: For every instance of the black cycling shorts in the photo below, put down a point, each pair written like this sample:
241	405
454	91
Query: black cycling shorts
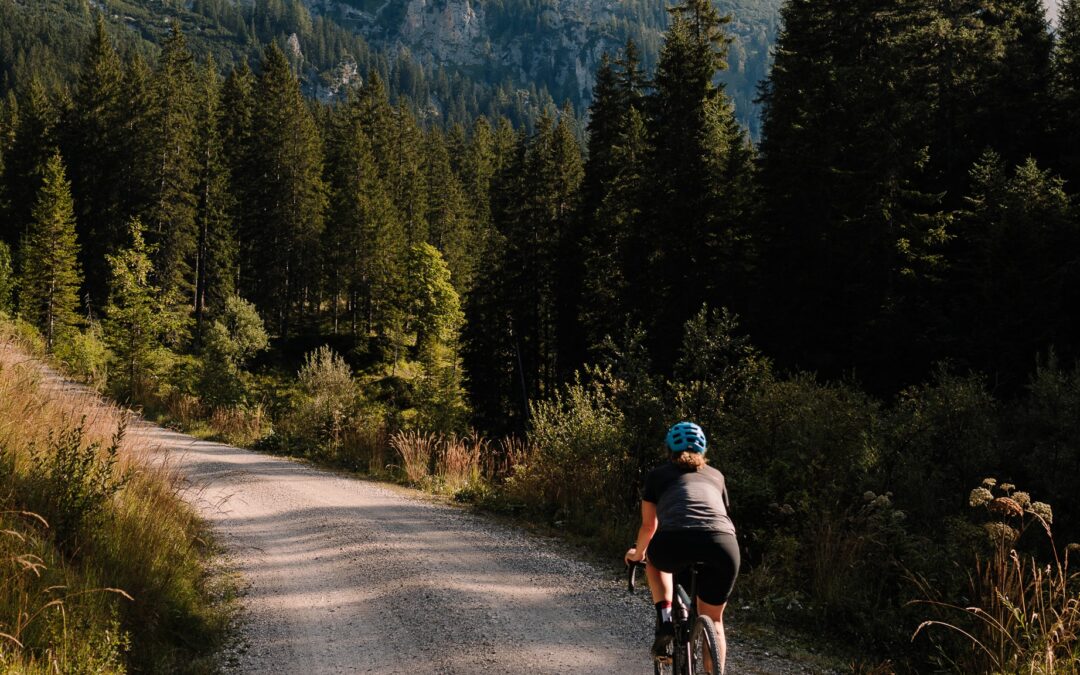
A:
676	551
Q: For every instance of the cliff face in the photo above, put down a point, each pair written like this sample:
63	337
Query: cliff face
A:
556	44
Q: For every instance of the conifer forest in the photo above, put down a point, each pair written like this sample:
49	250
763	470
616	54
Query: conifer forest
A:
871	303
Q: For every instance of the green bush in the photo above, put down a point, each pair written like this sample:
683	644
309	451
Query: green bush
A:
78	480
943	436
574	474
85	356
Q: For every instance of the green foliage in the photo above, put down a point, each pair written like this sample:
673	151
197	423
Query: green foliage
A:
136	322
944	436
230	341
80	479
49	288
85	355
7	280
578	440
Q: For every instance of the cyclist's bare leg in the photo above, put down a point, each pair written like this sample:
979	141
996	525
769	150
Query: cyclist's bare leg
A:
716	613
659	583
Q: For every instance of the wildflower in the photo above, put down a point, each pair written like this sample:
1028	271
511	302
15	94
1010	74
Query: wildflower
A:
1000	534
1005	507
1043	511
868	496
989	483
1022	498
979	496
1006	487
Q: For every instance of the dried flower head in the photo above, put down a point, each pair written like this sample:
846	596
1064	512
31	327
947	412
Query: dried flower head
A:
1022	498
880	502
979	496
1006	487
868	496
1000	534
1043	511
1073	548
989	483
1005	507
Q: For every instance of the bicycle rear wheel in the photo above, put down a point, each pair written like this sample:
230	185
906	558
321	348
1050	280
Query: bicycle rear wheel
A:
703	647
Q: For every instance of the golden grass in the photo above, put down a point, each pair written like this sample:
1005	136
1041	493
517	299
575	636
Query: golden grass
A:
132	591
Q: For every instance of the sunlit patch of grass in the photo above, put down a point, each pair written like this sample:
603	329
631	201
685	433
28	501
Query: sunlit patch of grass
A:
102	565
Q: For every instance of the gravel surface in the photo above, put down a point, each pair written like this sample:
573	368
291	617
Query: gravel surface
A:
344	575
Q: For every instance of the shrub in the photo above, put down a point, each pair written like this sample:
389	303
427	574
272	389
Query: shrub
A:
319	422
86	356
228	344
942	436
78	480
575	475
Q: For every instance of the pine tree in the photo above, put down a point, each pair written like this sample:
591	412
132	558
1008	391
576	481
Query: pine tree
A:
450	228
215	253
34	144
135	321
50	279
365	243
97	143
171	217
1067	90
288	199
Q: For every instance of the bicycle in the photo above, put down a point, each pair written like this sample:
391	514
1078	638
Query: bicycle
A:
693	649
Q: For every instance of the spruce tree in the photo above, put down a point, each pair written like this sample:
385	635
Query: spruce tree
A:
34	144
1067	90
365	243
215	253
96	143
136	322
689	262
50	279
450	228
288	199
171	217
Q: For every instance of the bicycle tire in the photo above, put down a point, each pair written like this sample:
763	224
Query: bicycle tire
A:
703	641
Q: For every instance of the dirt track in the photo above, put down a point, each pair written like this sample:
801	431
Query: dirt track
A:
344	575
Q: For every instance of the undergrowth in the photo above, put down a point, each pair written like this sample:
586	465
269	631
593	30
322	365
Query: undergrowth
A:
103	566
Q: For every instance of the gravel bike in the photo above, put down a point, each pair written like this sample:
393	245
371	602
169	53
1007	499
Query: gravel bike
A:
693	649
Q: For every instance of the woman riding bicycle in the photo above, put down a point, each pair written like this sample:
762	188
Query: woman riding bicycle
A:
684	520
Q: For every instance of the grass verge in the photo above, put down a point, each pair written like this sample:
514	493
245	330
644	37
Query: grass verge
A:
103	566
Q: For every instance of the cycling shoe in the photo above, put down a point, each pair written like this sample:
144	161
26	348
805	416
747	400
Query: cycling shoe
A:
665	634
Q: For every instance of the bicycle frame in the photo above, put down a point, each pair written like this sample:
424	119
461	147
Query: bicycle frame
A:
681	657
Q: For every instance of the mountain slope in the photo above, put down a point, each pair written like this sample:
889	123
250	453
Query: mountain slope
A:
556	44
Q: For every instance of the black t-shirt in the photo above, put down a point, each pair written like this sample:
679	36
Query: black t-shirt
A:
689	500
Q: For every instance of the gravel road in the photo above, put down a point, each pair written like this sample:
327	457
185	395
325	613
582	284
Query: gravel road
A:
344	576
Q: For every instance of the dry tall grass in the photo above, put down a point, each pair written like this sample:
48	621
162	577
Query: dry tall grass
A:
1021	616
126	588
449	463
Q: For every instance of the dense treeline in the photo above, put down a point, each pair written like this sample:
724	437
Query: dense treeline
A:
905	233
46	39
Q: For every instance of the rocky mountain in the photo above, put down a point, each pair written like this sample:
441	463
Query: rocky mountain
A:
556	44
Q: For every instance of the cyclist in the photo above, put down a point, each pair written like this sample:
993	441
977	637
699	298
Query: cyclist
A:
684	520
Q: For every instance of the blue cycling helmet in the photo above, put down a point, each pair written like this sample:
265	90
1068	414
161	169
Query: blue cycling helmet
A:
686	437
